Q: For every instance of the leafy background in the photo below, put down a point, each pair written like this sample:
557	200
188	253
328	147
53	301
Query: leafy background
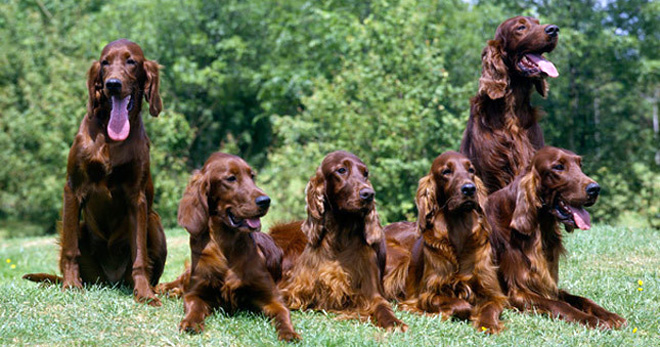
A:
281	83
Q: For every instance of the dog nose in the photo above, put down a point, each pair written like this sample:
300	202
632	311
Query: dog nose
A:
113	85
468	189
262	201
367	194
593	189
552	30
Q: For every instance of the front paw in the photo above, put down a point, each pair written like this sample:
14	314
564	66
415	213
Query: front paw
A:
68	284
396	326
488	327
288	336
191	326
614	320
596	323
149	298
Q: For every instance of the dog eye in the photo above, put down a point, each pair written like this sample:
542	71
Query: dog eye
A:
471	170
231	178
446	172
558	167
341	170
521	27
105	62
253	176
130	61
366	174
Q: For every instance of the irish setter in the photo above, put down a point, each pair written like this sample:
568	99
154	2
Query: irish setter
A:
341	265
442	264
502	132
234	266
525	217
120	238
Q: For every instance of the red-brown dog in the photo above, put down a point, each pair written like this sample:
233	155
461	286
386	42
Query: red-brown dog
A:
120	238
341	265
525	217
234	265
442	264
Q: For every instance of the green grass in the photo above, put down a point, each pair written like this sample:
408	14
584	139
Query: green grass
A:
603	264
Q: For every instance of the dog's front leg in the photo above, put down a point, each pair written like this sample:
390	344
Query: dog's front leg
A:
70	251
140	256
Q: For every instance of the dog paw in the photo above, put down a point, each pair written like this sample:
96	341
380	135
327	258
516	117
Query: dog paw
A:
288	336
190	327
75	284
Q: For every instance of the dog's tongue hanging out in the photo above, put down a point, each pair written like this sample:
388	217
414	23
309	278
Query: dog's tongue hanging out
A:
544	64
119	126
581	218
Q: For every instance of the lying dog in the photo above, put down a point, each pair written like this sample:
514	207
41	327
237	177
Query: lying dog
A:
341	266
525	217
234	266
442	264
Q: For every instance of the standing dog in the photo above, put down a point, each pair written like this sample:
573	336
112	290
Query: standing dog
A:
234	265
442	264
525	217
502	132
120	238
341	266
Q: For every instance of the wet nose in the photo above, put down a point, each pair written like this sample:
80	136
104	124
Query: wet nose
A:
468	189
552	30
367	194
113	85
262	201
593	189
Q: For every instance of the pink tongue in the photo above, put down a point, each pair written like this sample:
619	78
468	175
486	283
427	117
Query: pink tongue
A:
545	65
118	126
253	223
581	217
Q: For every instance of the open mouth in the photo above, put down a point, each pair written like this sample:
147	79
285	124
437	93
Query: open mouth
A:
254	224
119	126
572	216
532	63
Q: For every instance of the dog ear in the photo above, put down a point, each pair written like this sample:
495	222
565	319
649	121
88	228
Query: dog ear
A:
427	202
373	231
152	86
315	205
527	204
482	193
193	209
94	86
494	79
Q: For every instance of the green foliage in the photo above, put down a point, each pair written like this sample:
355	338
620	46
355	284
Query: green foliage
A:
391	103
283	83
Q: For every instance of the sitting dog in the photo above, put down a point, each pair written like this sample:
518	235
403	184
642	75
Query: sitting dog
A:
120	238
234	266
341	266
442	264
525	217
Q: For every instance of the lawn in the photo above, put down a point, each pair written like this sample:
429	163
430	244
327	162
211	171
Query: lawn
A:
605	264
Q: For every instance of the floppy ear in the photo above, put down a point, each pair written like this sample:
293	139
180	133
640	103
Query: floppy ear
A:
427	202
482	194
494	79
193	208
524	217
94	86
151	86
315	205
373	231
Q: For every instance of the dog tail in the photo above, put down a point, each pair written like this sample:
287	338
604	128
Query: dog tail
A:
43	278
